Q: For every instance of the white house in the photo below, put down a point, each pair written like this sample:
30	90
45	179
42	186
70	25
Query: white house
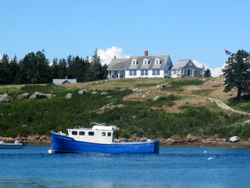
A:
64	81
141	67
186	68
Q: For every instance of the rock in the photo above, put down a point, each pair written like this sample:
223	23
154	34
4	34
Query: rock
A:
108	97
80	92
24	95
38	95
203	79
85	91
4	98
94	93
234	139
104	93
156	98
194	88
122	89
68	96
136	90
143	96
189	135
120	105
24	125
159	87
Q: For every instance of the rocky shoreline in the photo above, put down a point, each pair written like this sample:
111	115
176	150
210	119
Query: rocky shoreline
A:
218	142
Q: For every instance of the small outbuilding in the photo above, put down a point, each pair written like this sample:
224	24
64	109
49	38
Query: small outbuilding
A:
64	81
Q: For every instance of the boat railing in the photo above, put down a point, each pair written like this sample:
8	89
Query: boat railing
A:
94	123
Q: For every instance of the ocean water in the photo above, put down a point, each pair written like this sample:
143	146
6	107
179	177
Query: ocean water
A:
174	167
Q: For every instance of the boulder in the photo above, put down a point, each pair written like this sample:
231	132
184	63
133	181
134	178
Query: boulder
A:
136	90
156	98
85	91
68	96
4	98
108	97
143	96
104	94
246	122
24	95
159	87
94	93
234	139
203	79
80	92
38	95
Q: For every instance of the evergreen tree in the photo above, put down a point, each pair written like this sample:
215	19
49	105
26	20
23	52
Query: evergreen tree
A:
207	73
14	70
5	70
237	73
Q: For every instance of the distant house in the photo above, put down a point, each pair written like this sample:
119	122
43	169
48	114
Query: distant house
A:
64	81
186	68
141	67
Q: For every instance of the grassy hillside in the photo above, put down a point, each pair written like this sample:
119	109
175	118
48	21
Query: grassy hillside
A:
180	110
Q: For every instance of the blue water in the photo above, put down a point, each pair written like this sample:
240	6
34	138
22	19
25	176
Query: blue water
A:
174	167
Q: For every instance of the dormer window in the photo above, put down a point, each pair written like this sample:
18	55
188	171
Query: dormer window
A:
145	62
157	61
133	62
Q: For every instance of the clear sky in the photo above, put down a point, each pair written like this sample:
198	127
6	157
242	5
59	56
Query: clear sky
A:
199	30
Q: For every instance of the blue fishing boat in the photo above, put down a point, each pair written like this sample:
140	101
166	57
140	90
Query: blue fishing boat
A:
98	139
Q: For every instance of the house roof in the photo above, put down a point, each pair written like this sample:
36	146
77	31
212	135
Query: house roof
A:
181	64
123	64
117	64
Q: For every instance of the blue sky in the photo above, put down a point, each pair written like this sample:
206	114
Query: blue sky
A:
184	29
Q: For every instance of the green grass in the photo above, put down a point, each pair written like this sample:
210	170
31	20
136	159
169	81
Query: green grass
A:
136	118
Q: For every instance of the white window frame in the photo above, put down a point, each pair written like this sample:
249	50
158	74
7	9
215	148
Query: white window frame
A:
157	61
145	61
130	73
142	72
133	62
134	72
146	72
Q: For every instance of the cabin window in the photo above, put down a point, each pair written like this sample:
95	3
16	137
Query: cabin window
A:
74	132
103	134
109	133
91	133
81	133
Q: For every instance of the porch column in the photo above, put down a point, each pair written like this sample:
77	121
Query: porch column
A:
119	74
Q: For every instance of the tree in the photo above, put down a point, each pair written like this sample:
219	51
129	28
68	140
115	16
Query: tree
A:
237	73
207	73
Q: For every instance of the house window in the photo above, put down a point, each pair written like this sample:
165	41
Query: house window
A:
146	72
133	62
182	71
190	63
130	72
74	132
81	133
156	72
134	72
201	72
91	133
142	72
157	61
145	62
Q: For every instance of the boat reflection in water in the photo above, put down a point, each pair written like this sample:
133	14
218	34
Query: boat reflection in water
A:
98	139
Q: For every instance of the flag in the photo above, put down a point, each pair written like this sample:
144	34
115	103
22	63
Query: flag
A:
227	52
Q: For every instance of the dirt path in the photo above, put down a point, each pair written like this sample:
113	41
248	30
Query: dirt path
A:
224	106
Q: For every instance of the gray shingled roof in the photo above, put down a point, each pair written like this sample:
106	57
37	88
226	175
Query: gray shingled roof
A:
118	64
123	64
181	64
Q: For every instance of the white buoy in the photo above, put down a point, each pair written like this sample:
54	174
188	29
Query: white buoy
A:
205	151
210	158
50	151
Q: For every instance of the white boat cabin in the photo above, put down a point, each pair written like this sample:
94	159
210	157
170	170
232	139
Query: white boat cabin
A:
99	133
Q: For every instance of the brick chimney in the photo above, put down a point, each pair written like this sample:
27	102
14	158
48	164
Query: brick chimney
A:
146	53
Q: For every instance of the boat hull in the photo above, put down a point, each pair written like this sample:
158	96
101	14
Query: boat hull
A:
62	143
11	146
